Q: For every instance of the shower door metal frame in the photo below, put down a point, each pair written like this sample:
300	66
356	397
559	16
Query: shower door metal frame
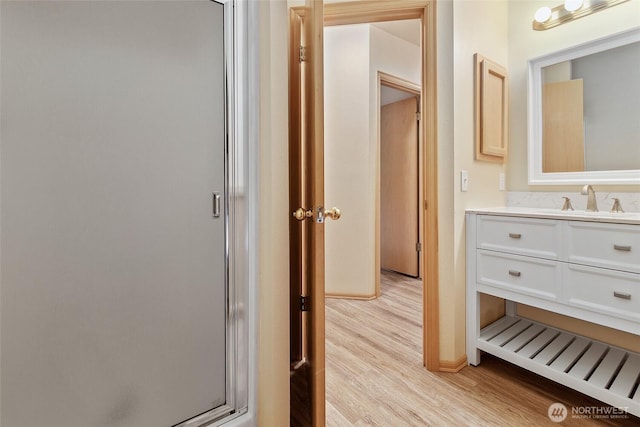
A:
235	214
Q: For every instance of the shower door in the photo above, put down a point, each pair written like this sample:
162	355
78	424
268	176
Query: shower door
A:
113	273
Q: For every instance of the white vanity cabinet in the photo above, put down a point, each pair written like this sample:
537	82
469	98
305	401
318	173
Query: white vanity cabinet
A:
584	266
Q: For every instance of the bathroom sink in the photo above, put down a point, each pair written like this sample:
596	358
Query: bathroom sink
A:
590	214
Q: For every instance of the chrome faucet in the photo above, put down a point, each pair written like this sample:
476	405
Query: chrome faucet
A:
592	206
567	205
617	207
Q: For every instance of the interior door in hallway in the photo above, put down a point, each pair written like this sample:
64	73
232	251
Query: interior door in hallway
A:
113	308
399	187
306	153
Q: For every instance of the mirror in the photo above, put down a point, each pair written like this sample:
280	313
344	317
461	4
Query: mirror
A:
584	113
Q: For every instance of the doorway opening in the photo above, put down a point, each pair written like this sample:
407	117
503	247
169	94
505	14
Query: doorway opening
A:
374	155
307	136
371	154
400	177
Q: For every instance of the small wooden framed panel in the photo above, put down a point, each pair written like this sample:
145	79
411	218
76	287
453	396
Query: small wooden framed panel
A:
491	110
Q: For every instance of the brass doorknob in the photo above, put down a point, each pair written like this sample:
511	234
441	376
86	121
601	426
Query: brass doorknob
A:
301	214
333	213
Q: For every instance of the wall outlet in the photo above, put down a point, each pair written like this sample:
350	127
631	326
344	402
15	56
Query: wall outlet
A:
501	181
464	180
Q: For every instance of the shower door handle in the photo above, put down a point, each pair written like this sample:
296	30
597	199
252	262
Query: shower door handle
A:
216	204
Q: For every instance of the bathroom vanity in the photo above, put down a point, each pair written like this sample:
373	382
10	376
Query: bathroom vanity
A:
580	264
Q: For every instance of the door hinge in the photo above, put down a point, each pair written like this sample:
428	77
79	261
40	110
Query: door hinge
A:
418	247
418	116
304	303
302	55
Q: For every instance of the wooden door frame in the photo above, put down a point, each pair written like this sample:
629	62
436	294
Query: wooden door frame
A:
391	10
371	11
388	80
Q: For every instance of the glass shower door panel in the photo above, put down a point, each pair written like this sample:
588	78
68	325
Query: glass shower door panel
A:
113	303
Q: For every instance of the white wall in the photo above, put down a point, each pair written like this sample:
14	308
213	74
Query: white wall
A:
273	281
394	56
478	27
348	158
353	56
446	264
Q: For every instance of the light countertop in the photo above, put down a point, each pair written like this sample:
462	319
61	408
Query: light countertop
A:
577	215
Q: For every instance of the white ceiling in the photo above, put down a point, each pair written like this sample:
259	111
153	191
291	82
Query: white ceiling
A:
408	29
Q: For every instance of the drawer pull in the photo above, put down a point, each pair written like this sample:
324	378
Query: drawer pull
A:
622	248
515	235
622	295
514	273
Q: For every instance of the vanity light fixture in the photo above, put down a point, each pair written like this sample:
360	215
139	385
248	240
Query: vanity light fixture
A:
546	17
573	5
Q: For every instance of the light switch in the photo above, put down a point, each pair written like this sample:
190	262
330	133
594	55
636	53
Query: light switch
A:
464	180
501	181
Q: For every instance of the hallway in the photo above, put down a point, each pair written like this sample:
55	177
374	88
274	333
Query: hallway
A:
375	376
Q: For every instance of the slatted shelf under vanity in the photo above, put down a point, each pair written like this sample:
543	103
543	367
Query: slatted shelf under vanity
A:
584	267
608	373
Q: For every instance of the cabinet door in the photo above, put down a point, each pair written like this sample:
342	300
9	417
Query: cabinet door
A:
613	246
491	110
529	276
611	292
540	238
113	265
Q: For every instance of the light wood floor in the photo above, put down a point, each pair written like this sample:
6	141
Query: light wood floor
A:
375	374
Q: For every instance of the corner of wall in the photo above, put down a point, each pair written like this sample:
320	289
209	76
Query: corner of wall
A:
273	311
478	27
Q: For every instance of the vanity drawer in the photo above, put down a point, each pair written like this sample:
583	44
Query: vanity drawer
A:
611	292
524	236
615	246
528	276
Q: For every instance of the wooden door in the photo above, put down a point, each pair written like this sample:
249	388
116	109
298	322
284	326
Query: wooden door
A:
307	222
563	127
399	187
375	11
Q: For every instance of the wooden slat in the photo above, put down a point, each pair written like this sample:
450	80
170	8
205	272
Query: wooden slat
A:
496	327
510	333
626	379
554	348
541	340
524	338
570	355
607	368
588	360
636	397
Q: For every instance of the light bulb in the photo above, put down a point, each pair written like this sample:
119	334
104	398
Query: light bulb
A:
572	5
543	14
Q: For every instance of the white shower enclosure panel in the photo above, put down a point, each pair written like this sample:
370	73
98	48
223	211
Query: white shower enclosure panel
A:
113	274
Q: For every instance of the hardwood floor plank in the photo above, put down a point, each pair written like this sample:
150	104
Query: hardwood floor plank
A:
375	375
